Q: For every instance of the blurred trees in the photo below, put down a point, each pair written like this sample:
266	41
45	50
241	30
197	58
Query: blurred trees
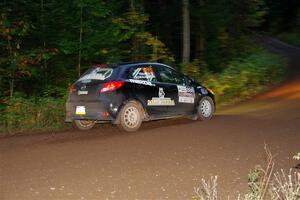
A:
282	16
46	44
14	60
217	27
283	20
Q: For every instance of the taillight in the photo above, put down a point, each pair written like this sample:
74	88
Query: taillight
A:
110	86
72	88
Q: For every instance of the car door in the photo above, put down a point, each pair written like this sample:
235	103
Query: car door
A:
143	81
176	85
187	97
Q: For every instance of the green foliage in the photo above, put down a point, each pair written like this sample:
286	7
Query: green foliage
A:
250	13
264	184
155	50
193	69
277	186
246	77
23	113
241	79
254	183
144	46
130	23
14	62
56	92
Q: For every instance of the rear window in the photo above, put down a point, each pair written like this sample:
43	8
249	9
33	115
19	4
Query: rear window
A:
97	74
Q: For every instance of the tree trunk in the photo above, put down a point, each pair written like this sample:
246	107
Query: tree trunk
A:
154	52
200	39
200	45
186	43
45	63
11	87
80	40
132	4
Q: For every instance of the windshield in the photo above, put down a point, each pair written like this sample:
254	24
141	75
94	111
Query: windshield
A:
97	74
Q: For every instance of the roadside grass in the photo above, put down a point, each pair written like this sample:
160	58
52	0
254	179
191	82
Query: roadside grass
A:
263	184
23	114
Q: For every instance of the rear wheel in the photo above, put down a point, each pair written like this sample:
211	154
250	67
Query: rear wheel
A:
206	108
130	117
84	124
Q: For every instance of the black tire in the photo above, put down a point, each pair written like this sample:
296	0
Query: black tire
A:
84	125
130	117
206	108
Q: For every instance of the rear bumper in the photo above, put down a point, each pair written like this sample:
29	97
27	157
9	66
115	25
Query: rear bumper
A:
93	111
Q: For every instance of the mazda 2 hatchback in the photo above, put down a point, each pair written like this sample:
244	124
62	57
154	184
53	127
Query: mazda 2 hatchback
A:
128	94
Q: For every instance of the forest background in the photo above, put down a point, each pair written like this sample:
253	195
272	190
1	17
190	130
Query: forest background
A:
46	44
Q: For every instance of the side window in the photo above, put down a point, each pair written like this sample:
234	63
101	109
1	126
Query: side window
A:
168	75
188	81
142	73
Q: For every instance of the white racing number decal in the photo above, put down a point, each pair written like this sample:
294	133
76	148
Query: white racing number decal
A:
186	94
80	110
141	82
161	100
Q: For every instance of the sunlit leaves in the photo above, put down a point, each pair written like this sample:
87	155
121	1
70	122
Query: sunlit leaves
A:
144	46
130	23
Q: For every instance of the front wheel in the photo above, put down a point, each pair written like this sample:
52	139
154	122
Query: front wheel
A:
206	108
84	124
130	117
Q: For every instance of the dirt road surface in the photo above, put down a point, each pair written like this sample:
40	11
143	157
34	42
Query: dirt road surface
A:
165	159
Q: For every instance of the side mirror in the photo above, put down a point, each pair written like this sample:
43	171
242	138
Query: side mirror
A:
189	82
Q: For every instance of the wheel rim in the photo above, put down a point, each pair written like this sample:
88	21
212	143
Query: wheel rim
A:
206	108
86	123
131	117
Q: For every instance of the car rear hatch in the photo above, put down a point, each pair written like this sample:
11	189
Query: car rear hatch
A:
87	88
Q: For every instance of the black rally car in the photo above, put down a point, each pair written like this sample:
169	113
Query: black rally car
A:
127	94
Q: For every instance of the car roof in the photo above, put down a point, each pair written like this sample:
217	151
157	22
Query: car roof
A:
131	64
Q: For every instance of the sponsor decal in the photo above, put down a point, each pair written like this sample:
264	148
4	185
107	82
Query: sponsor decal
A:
161	93
97	74
83	87
144	73
161	100
141	82
186	94
82	92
